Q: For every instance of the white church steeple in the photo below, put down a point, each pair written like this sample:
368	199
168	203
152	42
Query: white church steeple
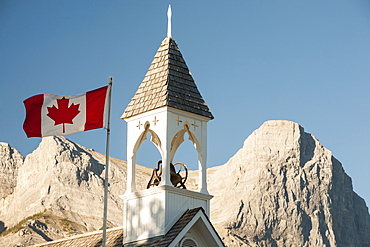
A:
166	106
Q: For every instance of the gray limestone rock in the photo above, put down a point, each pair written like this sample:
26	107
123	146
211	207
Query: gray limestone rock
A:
66	180
282	188
285	189
10	161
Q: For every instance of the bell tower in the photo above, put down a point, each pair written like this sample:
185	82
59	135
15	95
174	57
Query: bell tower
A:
166	106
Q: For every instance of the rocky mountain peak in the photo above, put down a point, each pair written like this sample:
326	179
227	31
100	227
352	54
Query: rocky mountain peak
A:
67	180
285	189
10	161
282	188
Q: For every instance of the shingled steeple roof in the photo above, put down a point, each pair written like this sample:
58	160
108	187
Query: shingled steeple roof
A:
168	82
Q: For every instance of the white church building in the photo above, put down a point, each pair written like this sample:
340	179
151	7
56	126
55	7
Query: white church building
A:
167	106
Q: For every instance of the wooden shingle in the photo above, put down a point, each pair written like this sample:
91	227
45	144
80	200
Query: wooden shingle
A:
170	81
114	239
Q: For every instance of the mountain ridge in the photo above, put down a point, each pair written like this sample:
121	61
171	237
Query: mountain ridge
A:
282	188
294	192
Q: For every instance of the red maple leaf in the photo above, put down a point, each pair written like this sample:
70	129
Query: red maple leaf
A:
63	114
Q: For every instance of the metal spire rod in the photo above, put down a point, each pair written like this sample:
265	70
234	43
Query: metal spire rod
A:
169	15
104	240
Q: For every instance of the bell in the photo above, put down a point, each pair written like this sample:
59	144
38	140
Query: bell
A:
176	179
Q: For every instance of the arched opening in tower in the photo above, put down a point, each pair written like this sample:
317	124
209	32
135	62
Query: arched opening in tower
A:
188	155
147	155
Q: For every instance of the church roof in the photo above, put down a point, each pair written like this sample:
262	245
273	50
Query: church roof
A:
168	82
115	236
92	239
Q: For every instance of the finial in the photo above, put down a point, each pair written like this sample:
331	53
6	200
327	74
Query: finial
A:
169	15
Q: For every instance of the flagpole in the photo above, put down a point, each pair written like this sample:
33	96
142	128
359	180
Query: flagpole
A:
110	82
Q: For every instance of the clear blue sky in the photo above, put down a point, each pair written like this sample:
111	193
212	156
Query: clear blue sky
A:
304	61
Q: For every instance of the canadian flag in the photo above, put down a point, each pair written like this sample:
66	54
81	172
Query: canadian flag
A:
50	114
